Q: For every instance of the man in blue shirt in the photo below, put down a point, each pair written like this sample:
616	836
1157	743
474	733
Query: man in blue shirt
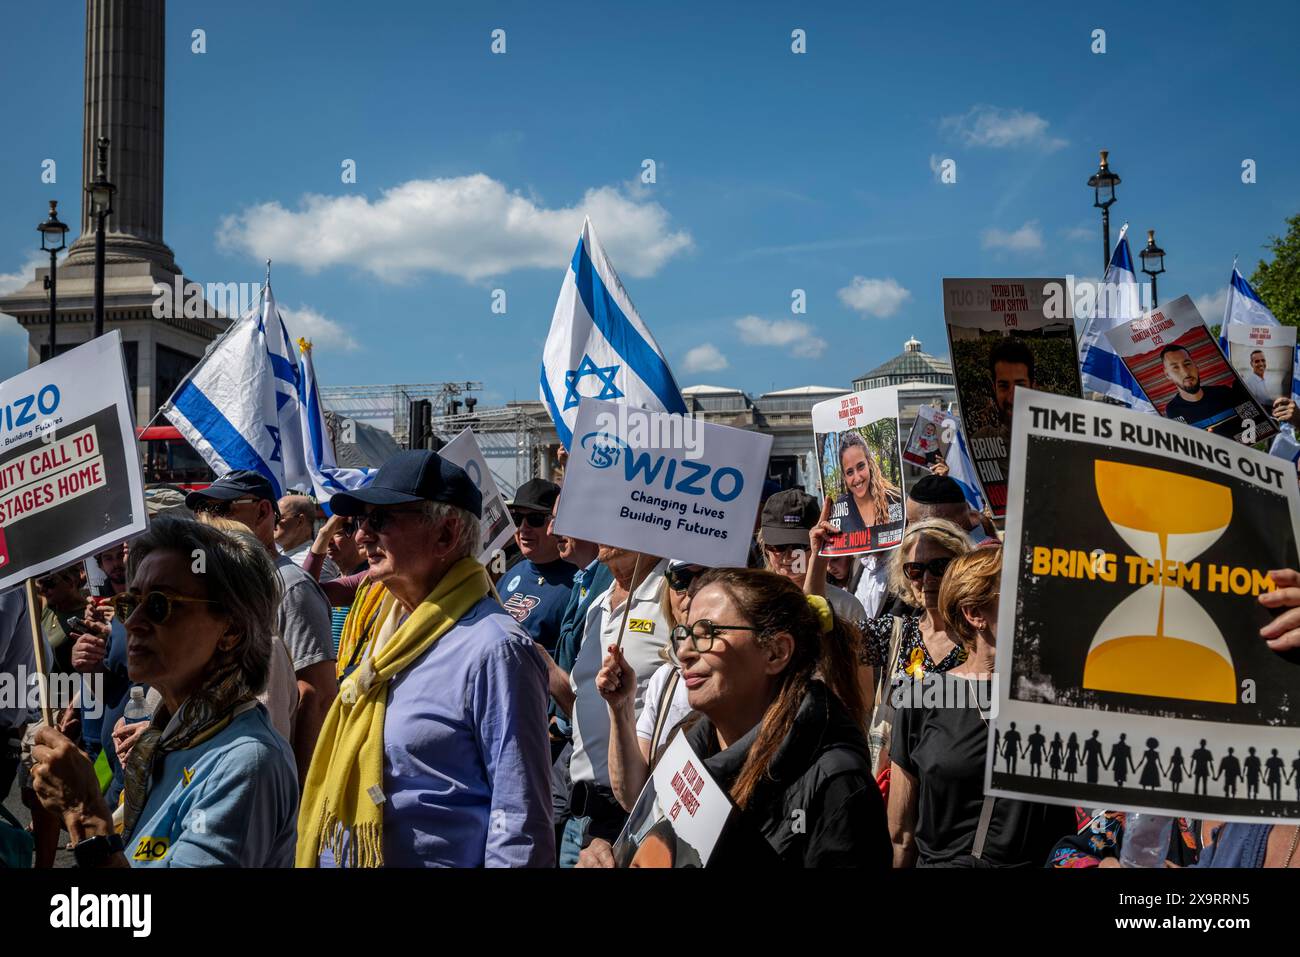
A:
465	780
536	589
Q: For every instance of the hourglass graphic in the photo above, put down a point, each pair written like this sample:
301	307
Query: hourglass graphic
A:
1159	641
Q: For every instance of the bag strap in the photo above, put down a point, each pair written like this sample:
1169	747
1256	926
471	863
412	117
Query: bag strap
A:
12	821
891	663
982	831
661	712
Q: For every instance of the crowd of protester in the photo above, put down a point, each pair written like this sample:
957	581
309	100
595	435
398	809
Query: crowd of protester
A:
356	689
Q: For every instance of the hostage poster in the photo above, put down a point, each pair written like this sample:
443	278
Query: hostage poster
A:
70	481
679	817
929	441
1006	335
860	465
1185	376
1131	670
1262	357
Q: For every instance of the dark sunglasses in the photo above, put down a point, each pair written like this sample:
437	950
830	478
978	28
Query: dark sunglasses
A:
220	509
679	579
784	550
531	519
377	520
158	606
702	634
915	571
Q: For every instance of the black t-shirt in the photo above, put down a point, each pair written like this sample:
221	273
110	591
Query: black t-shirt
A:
1215	399
944	749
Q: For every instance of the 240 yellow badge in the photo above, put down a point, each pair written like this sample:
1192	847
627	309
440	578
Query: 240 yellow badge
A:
645	626
151	849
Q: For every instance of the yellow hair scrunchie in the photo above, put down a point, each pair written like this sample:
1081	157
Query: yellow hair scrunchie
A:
825	617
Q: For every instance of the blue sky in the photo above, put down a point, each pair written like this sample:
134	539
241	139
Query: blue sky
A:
775	171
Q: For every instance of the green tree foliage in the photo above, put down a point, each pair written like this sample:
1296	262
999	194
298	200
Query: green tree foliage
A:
1278	282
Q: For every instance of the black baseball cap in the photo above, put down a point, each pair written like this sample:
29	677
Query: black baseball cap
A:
788	516
413	475
936	490
536	494
235	484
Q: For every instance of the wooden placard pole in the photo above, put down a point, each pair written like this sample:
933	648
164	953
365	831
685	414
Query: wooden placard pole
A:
38	648
627	605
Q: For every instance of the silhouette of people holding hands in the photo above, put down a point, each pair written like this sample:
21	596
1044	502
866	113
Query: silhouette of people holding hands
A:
1054	755
1092	756
1295	776
1152	769
1121	760
1253	769
1230	771
1176	766
1035	745
1011	747
1202	765
1273	771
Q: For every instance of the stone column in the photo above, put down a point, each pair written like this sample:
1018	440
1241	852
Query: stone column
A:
125	59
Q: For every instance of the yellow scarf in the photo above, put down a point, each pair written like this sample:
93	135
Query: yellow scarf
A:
369	607
342	801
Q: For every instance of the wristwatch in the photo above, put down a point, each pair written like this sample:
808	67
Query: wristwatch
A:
95	851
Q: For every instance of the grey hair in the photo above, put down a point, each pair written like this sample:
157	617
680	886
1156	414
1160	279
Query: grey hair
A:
239	577
947	535
469	536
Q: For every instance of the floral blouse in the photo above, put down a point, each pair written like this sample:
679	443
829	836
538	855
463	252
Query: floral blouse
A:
913	657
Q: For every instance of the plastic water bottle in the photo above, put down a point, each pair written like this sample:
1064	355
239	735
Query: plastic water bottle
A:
135	708
1146	840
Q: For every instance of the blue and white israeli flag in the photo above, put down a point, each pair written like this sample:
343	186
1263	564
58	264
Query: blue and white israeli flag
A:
962	471
227	408
598	347
1118	300
326	477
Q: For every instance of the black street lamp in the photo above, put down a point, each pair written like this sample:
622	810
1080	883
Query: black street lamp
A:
1153	263
53	231
101	192
1103	183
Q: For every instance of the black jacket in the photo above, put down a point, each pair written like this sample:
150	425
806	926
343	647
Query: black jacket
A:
818	806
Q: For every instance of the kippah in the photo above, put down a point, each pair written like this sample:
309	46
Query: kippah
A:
936	490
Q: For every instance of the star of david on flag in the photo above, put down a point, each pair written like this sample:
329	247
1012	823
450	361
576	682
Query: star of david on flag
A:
608	390
598	347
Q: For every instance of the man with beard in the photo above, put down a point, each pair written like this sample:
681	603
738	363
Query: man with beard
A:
1011	367
1195	404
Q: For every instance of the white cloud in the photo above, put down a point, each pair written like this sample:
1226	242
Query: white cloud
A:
781	332
704	358
1028	238
1211	305
1080	234
997	128
467	226
13	281
322	331
874	297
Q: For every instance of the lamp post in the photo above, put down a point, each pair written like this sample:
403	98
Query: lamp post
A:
1153	263
1103	183
53	231
100	191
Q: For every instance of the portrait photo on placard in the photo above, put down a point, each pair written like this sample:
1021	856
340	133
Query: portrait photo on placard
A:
860	464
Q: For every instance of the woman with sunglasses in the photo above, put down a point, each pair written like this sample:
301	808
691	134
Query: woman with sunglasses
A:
633	739
916	569
210	782
768	670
